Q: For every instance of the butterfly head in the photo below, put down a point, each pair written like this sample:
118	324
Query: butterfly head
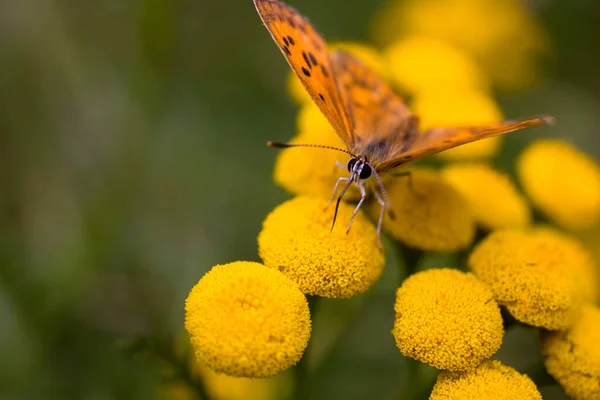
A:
359	168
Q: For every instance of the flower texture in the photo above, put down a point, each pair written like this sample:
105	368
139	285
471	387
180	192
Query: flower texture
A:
430	215
499	205
492	380
369	55
562	182
415	67
573	357
297	240
469	108
447	318
247	320
483	29
530	273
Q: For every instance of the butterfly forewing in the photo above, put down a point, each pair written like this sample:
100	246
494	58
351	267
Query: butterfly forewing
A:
383	124
308	55
436	140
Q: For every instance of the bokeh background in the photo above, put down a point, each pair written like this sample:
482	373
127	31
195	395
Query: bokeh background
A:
133	159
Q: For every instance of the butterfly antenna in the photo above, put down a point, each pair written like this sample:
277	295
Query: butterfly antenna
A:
383	192
279	145
337	204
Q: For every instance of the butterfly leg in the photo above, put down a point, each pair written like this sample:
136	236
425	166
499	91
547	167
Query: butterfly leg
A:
362	199
381	214
335	189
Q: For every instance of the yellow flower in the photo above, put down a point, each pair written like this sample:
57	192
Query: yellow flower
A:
224	387
297	240
492	380
530	273
247	320
429	214
562	182
573	357
579	260
466	108
369	55
485	29
419	63
309	170
494	200
447	318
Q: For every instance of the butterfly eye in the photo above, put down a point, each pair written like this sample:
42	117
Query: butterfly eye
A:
351	164
365	172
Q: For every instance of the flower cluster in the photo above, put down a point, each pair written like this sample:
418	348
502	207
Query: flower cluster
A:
503	266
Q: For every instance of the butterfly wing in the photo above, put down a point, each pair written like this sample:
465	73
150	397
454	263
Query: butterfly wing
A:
382	121
436	140
308	55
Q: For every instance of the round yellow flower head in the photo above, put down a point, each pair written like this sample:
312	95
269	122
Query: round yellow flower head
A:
530	273
429	214
247	320
579	259
225	387
466	108
484	29
447	318
573	357
297	240
369	55
415	67
310	170
562	182
492	380
494	200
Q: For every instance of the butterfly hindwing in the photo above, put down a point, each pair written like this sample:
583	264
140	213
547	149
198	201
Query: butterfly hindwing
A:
308	56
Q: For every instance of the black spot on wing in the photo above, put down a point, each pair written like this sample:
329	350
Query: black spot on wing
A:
324	71
292	41
321	97
286	41
306	60
305	72
313	60
287	50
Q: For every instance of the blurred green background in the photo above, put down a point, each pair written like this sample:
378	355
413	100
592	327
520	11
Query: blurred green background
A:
133	158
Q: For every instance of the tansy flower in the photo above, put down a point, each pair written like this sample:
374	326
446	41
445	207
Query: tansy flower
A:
447	318
310	170
468	108
532	275
492	380
429	214
562	182
485	29
573	357
415	67
579	260
247	320
224	387
493	198
369	55
297	240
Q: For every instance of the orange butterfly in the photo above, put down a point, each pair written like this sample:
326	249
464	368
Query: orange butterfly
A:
378	129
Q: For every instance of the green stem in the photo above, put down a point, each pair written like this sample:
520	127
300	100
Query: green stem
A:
419	380
302	373
411	258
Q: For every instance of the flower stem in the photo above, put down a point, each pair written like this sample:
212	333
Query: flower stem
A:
419	380
302	373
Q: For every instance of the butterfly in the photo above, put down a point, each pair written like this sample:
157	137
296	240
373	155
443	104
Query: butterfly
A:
378	129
